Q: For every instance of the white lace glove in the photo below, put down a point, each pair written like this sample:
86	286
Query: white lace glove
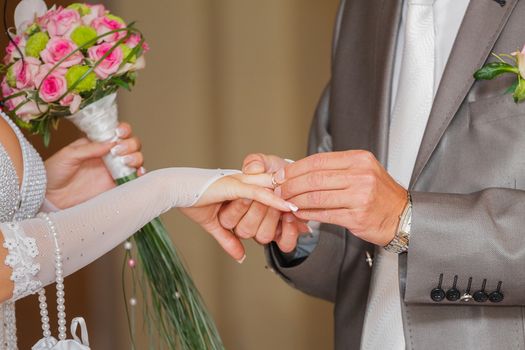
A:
90	230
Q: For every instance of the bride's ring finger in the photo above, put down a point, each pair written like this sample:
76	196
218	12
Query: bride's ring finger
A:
274	183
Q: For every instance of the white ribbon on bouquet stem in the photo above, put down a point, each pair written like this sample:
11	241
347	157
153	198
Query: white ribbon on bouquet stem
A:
99	122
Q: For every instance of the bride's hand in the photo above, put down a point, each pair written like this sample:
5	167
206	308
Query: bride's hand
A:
239	186
77	173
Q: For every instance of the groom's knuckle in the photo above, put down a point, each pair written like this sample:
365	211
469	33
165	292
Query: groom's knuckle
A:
314	198
365	157
318	161
315	180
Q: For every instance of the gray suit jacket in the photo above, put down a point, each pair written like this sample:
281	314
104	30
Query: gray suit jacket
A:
467	185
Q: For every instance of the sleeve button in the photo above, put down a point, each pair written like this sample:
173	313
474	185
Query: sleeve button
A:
437	294
453	294
480	296
496	297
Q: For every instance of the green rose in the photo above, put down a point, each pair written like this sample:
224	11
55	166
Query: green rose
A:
11	78
84	34
74	73
126	50
36	43
83	9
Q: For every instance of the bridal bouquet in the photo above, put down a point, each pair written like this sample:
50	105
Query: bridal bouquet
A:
69	63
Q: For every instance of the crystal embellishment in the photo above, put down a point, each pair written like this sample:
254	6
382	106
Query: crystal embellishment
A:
18	202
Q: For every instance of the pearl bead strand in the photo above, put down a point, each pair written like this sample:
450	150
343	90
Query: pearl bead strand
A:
61	307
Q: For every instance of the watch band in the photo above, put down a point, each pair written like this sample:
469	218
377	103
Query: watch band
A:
399	244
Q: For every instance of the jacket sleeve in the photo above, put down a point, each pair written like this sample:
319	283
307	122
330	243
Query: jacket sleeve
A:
475	236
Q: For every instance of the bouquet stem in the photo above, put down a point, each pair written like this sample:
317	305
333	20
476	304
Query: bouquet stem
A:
174	309
175	304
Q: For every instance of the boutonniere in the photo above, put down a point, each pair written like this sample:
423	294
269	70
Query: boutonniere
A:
507	64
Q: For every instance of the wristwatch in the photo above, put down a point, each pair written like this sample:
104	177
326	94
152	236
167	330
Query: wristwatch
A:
399	244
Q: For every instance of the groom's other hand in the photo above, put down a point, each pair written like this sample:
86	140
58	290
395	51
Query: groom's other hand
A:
349	189
254	220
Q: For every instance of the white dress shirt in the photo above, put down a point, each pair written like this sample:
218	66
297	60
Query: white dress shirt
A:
383	328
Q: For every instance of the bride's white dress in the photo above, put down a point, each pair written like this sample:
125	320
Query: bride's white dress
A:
86	231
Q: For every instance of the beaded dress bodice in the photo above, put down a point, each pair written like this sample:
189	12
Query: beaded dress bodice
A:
19	200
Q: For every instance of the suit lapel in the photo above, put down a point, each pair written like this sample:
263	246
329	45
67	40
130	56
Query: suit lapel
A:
483	22
362	75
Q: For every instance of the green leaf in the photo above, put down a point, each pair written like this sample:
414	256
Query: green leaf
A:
519	93
513	87
47	136
494	69
122	83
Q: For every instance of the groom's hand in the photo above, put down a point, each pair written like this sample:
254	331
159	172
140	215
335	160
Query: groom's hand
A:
254	220
349	189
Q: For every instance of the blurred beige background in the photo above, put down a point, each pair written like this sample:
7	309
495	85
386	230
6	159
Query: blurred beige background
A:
224	78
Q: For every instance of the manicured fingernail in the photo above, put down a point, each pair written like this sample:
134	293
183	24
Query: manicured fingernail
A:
254	167
292	207
142	170
120	132
240	261
126	159
118	149
289	161
278	191
311	230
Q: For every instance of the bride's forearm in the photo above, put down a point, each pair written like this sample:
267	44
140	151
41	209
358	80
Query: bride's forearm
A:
90	230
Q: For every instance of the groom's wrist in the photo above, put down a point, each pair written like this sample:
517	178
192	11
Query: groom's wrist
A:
399	244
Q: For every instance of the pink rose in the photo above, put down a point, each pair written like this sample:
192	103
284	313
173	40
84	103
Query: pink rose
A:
110	64
59	48
139	64
133	40
73	101
48	69
6	92
25	71
105	24
6	89
53	87
145	47
63	22
11	52
96	12
43	21
30	110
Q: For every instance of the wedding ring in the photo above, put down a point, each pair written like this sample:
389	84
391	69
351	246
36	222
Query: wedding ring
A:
274	183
